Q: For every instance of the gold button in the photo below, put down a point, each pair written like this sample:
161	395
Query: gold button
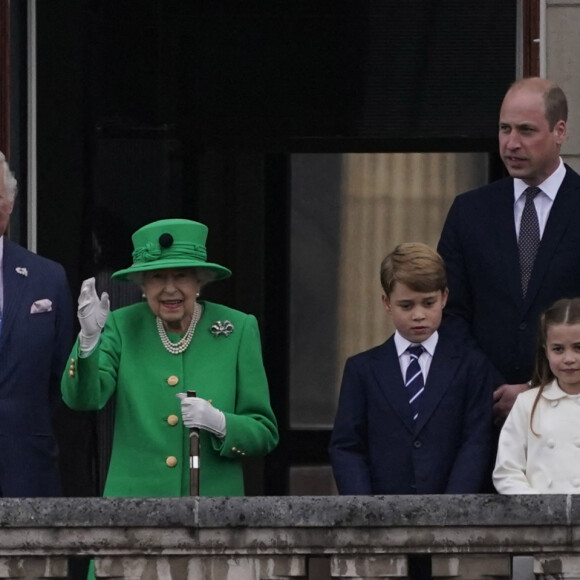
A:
71	373
173	419
234	449
172	380
171	461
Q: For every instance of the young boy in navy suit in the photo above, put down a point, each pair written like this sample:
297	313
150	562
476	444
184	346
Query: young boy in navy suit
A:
415	413
434	437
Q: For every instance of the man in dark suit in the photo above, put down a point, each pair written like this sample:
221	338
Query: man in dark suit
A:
512	248
35	339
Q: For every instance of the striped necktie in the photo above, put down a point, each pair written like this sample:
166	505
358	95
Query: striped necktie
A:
414	379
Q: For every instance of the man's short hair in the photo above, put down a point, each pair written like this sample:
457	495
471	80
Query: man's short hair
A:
555	101
556	106
416	265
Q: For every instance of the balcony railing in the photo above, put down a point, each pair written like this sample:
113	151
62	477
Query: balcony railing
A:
266	538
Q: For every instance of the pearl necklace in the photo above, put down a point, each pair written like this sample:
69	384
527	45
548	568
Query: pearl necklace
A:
182	344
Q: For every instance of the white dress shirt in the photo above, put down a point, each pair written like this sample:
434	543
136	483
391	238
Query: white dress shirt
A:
548	462
543	201
424	360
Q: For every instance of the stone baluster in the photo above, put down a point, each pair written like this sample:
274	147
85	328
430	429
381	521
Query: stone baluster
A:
33	567
207	567
471	566
368	566
557	567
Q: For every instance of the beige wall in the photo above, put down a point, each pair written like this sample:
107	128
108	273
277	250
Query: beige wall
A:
386	199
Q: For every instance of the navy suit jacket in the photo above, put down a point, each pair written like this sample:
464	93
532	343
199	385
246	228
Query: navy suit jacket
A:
479	246
33	353
377	448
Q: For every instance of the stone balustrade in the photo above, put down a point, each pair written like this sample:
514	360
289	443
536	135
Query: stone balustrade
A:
267	538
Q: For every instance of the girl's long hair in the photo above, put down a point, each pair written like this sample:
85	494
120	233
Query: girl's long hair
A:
563	311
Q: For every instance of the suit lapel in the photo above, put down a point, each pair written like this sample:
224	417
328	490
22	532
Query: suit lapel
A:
387	374
443	369
505	230
558	222
15	285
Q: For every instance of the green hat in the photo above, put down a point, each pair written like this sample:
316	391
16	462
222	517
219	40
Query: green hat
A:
173	243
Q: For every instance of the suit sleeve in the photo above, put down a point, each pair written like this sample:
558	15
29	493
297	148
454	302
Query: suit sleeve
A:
472	466
348	447
93	379
458	314
459	310
252	429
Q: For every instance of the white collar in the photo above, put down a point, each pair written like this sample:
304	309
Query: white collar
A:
402	344
553	392
549	186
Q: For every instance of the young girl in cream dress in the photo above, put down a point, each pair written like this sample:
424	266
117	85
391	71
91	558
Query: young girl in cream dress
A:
539	445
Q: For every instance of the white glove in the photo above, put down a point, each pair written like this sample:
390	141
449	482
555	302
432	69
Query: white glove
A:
201	414
92	314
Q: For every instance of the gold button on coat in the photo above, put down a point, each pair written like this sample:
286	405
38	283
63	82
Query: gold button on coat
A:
173	419
171	461
172	380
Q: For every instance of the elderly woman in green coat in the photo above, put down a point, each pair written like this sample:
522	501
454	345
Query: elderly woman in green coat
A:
150	354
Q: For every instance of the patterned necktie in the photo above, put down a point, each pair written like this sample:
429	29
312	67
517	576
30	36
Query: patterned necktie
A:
529	239
414	379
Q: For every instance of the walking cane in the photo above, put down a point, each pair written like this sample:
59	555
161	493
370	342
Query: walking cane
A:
193	456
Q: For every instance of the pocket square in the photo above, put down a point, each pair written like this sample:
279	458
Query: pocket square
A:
44	305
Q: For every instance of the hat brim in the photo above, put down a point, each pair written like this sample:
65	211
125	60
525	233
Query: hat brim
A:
219	272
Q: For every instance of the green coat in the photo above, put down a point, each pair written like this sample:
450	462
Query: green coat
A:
131	363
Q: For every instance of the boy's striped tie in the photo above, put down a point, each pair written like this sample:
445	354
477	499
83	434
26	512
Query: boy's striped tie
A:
414	379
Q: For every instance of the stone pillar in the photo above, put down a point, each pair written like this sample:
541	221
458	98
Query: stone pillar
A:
33	567
368	566
206	567
471	567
